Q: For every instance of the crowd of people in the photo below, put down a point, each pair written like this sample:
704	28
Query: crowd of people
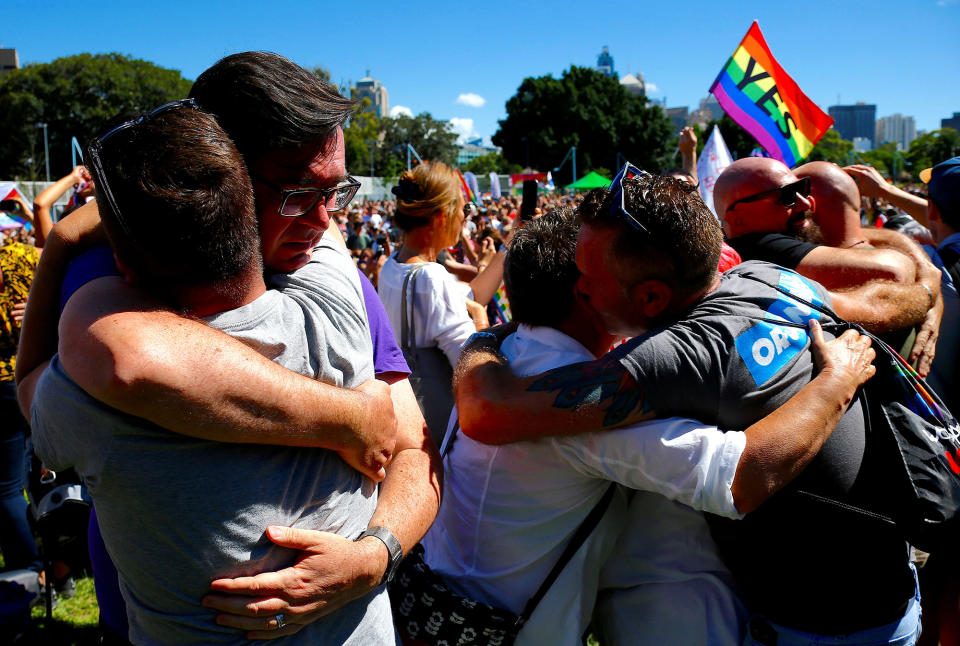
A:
295	420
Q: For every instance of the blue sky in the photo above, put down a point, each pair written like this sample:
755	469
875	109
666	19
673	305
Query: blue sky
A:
902	56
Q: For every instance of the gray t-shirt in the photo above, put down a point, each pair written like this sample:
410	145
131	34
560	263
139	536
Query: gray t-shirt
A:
177	512
728	362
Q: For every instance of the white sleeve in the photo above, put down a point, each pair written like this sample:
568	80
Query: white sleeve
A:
441	312
679	458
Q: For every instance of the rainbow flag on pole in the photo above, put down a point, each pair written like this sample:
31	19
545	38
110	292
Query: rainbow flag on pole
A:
762	98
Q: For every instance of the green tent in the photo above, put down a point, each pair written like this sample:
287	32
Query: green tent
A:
589	181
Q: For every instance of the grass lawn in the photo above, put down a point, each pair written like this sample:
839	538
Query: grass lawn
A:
74	620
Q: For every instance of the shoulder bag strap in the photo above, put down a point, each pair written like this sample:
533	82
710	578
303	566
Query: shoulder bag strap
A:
580	536
406	321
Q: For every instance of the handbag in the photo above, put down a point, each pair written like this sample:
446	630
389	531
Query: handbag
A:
427	612
431	375
913	442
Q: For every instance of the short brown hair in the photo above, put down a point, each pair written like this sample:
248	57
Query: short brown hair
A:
186	205
682	242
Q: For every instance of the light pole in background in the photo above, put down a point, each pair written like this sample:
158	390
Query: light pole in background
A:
46	147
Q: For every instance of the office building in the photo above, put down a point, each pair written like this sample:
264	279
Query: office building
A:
898	128
858	120
605	63
952	122
9	61
371	88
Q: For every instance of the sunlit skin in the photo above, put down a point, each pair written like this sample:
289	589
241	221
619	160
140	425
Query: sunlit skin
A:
288	242
748	177
600	288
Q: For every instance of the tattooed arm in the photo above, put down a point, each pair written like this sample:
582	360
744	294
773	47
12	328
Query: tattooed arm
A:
497	407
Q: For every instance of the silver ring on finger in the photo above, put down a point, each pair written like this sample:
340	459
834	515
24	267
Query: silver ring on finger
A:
280	622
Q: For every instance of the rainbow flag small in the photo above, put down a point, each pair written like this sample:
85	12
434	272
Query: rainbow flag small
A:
502	304
467	193
762	98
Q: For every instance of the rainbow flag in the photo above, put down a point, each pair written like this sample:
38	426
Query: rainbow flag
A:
762	98
468	194
502	304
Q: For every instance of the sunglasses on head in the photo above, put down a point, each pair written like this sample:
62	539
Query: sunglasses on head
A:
787	194
619	196
95	153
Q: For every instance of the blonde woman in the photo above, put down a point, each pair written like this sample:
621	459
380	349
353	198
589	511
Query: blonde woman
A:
440	313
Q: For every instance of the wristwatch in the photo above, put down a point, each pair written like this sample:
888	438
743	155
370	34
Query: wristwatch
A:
393	547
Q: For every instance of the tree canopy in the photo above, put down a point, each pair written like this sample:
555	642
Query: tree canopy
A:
490	163
75	96
586	109
388	136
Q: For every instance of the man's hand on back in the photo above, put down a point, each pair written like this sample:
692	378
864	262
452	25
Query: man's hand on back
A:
371	450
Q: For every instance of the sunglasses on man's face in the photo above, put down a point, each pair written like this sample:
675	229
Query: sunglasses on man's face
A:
787	195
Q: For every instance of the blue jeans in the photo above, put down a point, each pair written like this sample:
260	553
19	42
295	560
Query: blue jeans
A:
16	540
904	632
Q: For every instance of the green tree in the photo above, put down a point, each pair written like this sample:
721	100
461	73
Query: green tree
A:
491	163
434	140
881	158
75	96
362	133
832	148
585	109
932	148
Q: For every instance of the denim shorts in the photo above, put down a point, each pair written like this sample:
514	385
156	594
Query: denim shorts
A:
903	632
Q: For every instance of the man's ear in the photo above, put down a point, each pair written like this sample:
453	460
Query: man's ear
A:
652	296
124	269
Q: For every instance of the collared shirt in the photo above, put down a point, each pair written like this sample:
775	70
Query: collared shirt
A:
509	511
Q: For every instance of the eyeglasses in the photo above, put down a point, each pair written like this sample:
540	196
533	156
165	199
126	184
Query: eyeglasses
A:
95	153
303	199
788	194
629	171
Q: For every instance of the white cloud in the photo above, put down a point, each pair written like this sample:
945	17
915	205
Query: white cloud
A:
464	129
471	100
400	109
651	87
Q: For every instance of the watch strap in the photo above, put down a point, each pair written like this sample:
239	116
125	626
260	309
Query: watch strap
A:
393	548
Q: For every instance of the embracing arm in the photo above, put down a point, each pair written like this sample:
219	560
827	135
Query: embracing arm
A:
498	407
836	268
197	381
331	570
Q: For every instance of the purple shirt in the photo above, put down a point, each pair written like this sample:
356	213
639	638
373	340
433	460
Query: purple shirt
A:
387	356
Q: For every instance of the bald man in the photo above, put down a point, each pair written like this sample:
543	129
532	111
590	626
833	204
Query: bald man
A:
765	209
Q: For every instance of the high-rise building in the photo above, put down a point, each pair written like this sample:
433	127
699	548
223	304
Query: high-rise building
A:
9	61
634	84
858	120
678	117
898	128
371	88
605	63
952	122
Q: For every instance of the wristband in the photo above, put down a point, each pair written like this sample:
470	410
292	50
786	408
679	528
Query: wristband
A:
393	548
929	293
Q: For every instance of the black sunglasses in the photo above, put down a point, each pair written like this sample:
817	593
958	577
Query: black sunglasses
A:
619	206
788	194
303	199
95	153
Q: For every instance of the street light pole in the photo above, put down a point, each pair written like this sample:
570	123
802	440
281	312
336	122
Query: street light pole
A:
46	147
370	143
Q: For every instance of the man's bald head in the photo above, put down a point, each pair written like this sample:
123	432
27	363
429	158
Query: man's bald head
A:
838	202
748	177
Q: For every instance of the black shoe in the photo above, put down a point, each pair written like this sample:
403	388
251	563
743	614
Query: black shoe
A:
65	587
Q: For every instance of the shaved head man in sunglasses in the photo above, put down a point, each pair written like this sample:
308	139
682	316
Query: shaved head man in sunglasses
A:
765	210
